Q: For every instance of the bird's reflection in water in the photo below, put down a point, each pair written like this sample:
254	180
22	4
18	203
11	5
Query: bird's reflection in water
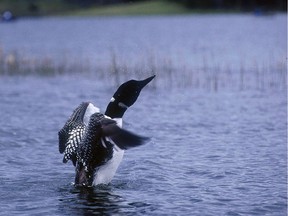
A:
100	200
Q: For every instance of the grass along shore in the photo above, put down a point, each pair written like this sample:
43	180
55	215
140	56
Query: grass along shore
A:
170	74
157	7
60	8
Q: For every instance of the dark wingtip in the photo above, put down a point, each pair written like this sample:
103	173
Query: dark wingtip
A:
122	138
62	137
126	140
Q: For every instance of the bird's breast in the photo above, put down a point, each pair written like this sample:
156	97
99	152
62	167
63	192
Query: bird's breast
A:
104	173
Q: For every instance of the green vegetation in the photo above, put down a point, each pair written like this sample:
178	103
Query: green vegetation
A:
60	7
140	8
157	7
35	7
125	7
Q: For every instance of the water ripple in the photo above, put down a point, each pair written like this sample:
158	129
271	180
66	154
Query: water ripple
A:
203	160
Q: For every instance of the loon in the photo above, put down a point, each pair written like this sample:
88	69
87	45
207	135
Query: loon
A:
95	142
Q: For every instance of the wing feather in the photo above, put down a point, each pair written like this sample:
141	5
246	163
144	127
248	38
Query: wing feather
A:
72	132
122	138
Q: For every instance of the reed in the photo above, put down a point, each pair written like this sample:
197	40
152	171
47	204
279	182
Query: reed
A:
170	73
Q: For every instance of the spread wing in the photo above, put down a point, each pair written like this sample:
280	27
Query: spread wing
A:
101	135
71	134
122	138
89	147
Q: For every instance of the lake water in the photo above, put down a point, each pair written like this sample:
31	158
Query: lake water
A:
230	51
212	152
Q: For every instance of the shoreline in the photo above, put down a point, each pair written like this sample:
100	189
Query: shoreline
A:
143	8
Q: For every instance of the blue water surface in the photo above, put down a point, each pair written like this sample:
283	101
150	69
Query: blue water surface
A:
211	153
216	113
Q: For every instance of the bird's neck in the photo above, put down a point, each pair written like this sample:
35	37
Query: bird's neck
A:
113	110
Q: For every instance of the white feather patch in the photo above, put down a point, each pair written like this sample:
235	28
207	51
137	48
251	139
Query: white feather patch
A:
119	122
106	172
103	143
91	109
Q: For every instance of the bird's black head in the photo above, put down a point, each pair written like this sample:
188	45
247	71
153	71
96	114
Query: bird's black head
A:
125	96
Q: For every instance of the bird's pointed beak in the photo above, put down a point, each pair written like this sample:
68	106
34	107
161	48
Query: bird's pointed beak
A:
144	82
